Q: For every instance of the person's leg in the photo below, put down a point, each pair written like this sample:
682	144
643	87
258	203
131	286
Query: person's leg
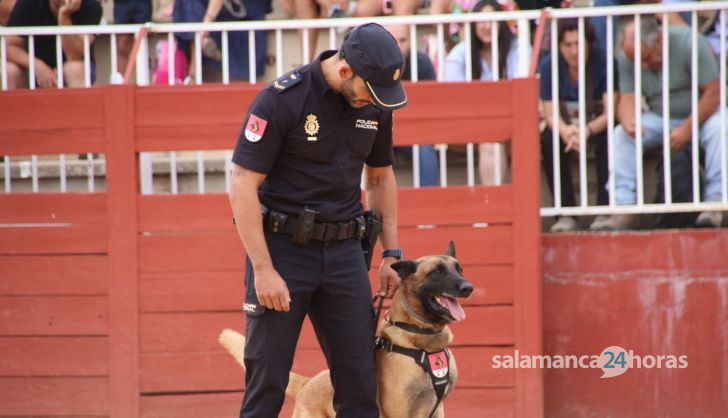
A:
601	151
124	44
368	8
405	7
343	318
438	7
547	159
487	154
600	25
308	9
429	167
710	142
17	77
132	12
625	156
73	74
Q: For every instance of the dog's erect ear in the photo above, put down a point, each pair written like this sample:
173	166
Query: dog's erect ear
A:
450	249
405	268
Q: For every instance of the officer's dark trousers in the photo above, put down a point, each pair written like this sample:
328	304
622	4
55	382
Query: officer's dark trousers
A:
329	282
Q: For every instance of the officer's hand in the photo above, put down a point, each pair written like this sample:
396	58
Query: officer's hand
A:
388	278
272	290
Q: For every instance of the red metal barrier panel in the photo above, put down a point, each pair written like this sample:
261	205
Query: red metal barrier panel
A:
141	285
660	293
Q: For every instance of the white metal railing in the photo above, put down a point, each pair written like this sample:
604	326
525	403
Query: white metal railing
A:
436	26
635	12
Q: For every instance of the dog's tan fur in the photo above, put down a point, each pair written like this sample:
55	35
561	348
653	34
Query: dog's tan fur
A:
404	389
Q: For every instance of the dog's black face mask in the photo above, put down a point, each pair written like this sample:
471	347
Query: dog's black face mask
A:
438	283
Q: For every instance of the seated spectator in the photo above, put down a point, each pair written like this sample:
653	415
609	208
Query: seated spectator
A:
680	117
481	58
425	71
129	12
568	102
50	13
207	11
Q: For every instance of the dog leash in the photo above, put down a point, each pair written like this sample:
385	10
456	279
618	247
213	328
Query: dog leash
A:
378	312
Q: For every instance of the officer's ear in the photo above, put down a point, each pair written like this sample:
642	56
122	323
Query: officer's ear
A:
405	268
345	71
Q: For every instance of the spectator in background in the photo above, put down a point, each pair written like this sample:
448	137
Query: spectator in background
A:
129	12
6	6
481	53
681	114
568	102
708	23
208	11
600	22
380	7
50	13
425	71
313	9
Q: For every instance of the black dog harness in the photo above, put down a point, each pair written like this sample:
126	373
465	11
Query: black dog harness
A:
436	365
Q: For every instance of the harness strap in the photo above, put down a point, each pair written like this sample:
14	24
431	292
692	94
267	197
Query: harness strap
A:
440	375
414	328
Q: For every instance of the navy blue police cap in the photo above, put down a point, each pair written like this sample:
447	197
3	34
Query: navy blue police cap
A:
373	54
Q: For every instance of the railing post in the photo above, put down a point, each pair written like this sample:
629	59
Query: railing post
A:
123	307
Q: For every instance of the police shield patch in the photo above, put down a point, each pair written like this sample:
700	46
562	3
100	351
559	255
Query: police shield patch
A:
255	128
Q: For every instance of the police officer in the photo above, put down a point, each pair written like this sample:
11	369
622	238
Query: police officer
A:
299	158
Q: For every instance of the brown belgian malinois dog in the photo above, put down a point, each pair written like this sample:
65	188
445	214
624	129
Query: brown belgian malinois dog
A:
415	369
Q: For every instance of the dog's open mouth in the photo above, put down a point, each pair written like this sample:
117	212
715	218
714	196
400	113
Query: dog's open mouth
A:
448	305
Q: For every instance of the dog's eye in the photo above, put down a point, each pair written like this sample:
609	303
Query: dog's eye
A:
440	269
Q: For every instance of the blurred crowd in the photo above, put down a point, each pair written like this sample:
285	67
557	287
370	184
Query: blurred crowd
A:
561	137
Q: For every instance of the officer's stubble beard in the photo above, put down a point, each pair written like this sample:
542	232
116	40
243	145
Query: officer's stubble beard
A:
349	93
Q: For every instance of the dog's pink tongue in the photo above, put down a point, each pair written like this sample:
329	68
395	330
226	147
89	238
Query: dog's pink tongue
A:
454	308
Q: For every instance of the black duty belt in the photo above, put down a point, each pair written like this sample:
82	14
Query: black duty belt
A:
281	223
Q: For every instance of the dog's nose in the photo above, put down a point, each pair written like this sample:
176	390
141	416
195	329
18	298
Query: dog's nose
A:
465	288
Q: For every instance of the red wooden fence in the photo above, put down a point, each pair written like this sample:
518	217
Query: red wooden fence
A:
110	303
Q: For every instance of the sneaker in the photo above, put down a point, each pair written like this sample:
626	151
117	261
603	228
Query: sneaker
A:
709	220
619	223
599	222
565	224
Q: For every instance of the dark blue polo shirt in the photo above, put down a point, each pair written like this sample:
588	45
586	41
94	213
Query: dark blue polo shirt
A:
312	145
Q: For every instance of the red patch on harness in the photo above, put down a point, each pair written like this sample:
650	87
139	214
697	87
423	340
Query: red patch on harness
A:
438	364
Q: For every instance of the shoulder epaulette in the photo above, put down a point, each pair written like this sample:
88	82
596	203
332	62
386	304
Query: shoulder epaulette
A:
286	82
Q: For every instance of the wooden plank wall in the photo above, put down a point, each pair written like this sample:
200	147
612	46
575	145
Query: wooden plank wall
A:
54	264
114	309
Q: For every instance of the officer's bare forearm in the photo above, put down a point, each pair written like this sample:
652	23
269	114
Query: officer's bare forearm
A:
381	190
248	218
